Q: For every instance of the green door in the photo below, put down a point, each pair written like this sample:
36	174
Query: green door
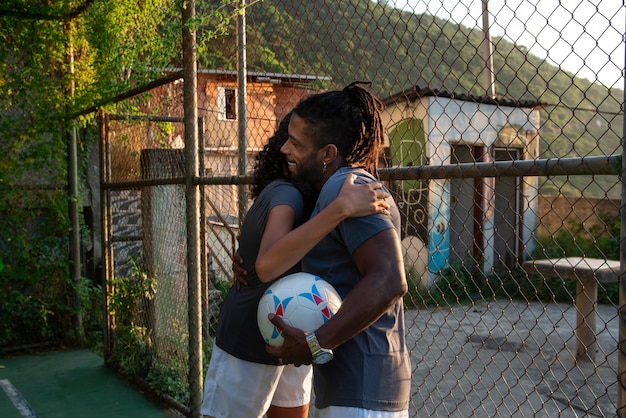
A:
408	148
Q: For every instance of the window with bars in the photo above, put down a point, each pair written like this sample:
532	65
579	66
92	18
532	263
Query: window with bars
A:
227	103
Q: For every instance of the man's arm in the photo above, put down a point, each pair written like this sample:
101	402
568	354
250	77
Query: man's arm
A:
379	259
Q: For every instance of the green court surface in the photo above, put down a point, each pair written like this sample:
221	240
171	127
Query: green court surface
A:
68	384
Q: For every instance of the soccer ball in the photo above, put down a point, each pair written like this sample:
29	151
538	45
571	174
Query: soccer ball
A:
303	300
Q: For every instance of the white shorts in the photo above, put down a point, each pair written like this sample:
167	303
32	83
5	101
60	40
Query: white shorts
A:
239	388
346	412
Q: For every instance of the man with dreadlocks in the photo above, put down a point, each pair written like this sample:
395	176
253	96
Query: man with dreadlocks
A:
242	379
361	366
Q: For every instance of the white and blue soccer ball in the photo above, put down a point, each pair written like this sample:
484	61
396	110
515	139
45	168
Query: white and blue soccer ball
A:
303	300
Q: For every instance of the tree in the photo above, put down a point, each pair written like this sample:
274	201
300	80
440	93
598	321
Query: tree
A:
58	60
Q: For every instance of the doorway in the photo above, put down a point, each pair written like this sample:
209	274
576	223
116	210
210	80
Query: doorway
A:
466	214
507	221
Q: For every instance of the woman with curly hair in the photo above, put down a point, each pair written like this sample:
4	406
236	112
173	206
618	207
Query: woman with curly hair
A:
243	380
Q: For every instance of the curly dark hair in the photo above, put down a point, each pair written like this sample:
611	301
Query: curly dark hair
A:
270	164
350	119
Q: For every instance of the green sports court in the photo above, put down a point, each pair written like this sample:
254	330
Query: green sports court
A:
68	384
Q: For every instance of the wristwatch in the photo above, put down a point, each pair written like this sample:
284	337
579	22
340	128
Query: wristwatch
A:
320	355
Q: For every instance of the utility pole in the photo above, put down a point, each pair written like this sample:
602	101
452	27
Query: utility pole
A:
489	83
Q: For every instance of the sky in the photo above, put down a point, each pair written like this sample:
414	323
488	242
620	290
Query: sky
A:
584	37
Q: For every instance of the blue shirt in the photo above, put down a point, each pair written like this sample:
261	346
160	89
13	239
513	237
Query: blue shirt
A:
372	370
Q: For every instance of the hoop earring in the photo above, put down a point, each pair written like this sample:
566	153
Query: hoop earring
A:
324	167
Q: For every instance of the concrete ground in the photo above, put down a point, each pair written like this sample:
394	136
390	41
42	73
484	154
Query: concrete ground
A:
503	359
511	359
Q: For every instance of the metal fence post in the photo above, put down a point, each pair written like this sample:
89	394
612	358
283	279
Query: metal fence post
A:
621	363
190	105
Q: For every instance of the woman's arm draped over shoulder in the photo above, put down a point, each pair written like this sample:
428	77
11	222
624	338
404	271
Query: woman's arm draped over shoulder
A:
279	254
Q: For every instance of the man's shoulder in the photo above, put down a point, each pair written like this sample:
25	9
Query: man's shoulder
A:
335	181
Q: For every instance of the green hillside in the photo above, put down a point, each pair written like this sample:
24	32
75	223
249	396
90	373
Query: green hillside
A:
353	39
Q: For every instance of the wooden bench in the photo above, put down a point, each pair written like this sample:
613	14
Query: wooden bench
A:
587	272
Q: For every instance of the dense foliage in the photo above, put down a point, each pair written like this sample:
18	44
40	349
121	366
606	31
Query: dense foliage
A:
56	60
33	204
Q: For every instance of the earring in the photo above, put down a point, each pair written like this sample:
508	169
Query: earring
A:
324	167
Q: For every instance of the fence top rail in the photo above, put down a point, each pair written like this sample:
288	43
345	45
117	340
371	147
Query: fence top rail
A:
136	184
597	165
605	164
111	116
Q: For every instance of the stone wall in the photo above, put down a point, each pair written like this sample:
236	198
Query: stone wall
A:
556	212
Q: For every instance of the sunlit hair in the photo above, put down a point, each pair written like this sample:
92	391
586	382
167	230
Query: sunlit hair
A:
348	118
270	164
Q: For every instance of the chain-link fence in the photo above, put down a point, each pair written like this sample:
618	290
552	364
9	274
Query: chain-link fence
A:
504	123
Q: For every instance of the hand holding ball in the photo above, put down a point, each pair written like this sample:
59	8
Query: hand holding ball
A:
303	300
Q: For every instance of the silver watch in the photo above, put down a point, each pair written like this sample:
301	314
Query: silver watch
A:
320	355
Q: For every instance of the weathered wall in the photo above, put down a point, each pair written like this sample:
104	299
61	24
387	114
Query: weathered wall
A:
556	212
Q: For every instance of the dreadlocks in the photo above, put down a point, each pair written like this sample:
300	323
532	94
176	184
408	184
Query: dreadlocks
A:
350	119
